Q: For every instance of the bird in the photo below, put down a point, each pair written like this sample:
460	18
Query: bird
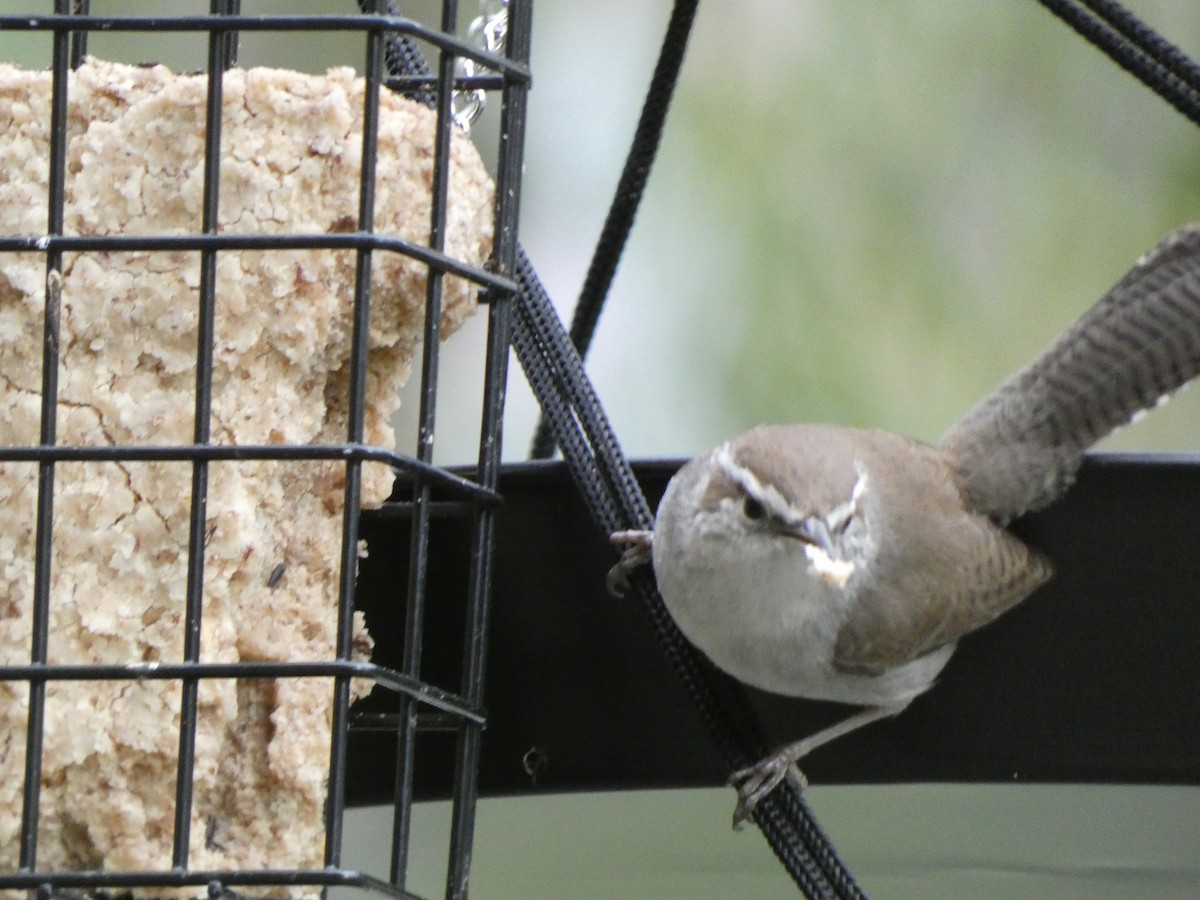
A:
844	564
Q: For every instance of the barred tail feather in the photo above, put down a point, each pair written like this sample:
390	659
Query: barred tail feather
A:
1019	448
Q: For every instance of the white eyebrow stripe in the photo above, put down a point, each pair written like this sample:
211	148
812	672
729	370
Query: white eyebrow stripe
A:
841	514
779	505
860	486
766	494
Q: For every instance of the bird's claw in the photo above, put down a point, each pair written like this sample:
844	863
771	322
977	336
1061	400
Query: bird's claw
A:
637	547
755	782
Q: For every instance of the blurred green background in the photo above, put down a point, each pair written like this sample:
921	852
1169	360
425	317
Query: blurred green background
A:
864	212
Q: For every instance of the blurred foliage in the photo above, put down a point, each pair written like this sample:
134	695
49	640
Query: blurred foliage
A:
903	202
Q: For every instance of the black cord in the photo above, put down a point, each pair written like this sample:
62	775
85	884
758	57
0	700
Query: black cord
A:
627	198
1136	48
1148	40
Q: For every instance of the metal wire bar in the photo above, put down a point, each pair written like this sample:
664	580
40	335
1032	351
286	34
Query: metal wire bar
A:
250	452
408	83
403	509
468	749
218	50
200	242
424	693
79	8
215	880
44	535
336	791
414	621
318	23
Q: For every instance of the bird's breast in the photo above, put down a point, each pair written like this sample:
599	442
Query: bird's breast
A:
766	618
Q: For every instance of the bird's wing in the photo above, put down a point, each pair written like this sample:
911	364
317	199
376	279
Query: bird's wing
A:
910	613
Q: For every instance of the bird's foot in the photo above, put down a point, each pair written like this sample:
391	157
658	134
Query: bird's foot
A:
637	547
756	781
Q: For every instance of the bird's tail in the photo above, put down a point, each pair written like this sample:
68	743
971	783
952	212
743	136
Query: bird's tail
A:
1019	448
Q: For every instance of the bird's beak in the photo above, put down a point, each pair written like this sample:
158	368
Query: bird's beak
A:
823	559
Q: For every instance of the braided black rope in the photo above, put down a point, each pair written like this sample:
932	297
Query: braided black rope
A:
1136	48
1148	40
627	197
403	58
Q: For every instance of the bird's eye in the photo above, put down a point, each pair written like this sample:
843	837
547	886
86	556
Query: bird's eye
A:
753	509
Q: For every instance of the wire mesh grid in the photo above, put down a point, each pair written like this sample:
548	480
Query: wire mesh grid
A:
31	674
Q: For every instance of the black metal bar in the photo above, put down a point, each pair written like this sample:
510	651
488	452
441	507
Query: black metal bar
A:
79	38
465	792
510	164
200	242
426	417
419	545
426	721
411	662
215	880
1102	693
403	509
44	535
249	452
409	83
218	47
229	38
420	691
318	23
439	191
356	414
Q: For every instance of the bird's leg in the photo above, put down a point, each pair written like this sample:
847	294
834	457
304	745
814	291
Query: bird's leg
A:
638	546
756	781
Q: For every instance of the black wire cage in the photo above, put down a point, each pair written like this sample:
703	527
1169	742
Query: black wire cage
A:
187	673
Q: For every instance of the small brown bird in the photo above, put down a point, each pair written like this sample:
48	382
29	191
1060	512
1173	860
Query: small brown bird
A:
844	564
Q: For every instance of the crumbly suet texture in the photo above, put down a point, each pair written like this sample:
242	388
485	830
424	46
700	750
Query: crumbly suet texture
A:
291	151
